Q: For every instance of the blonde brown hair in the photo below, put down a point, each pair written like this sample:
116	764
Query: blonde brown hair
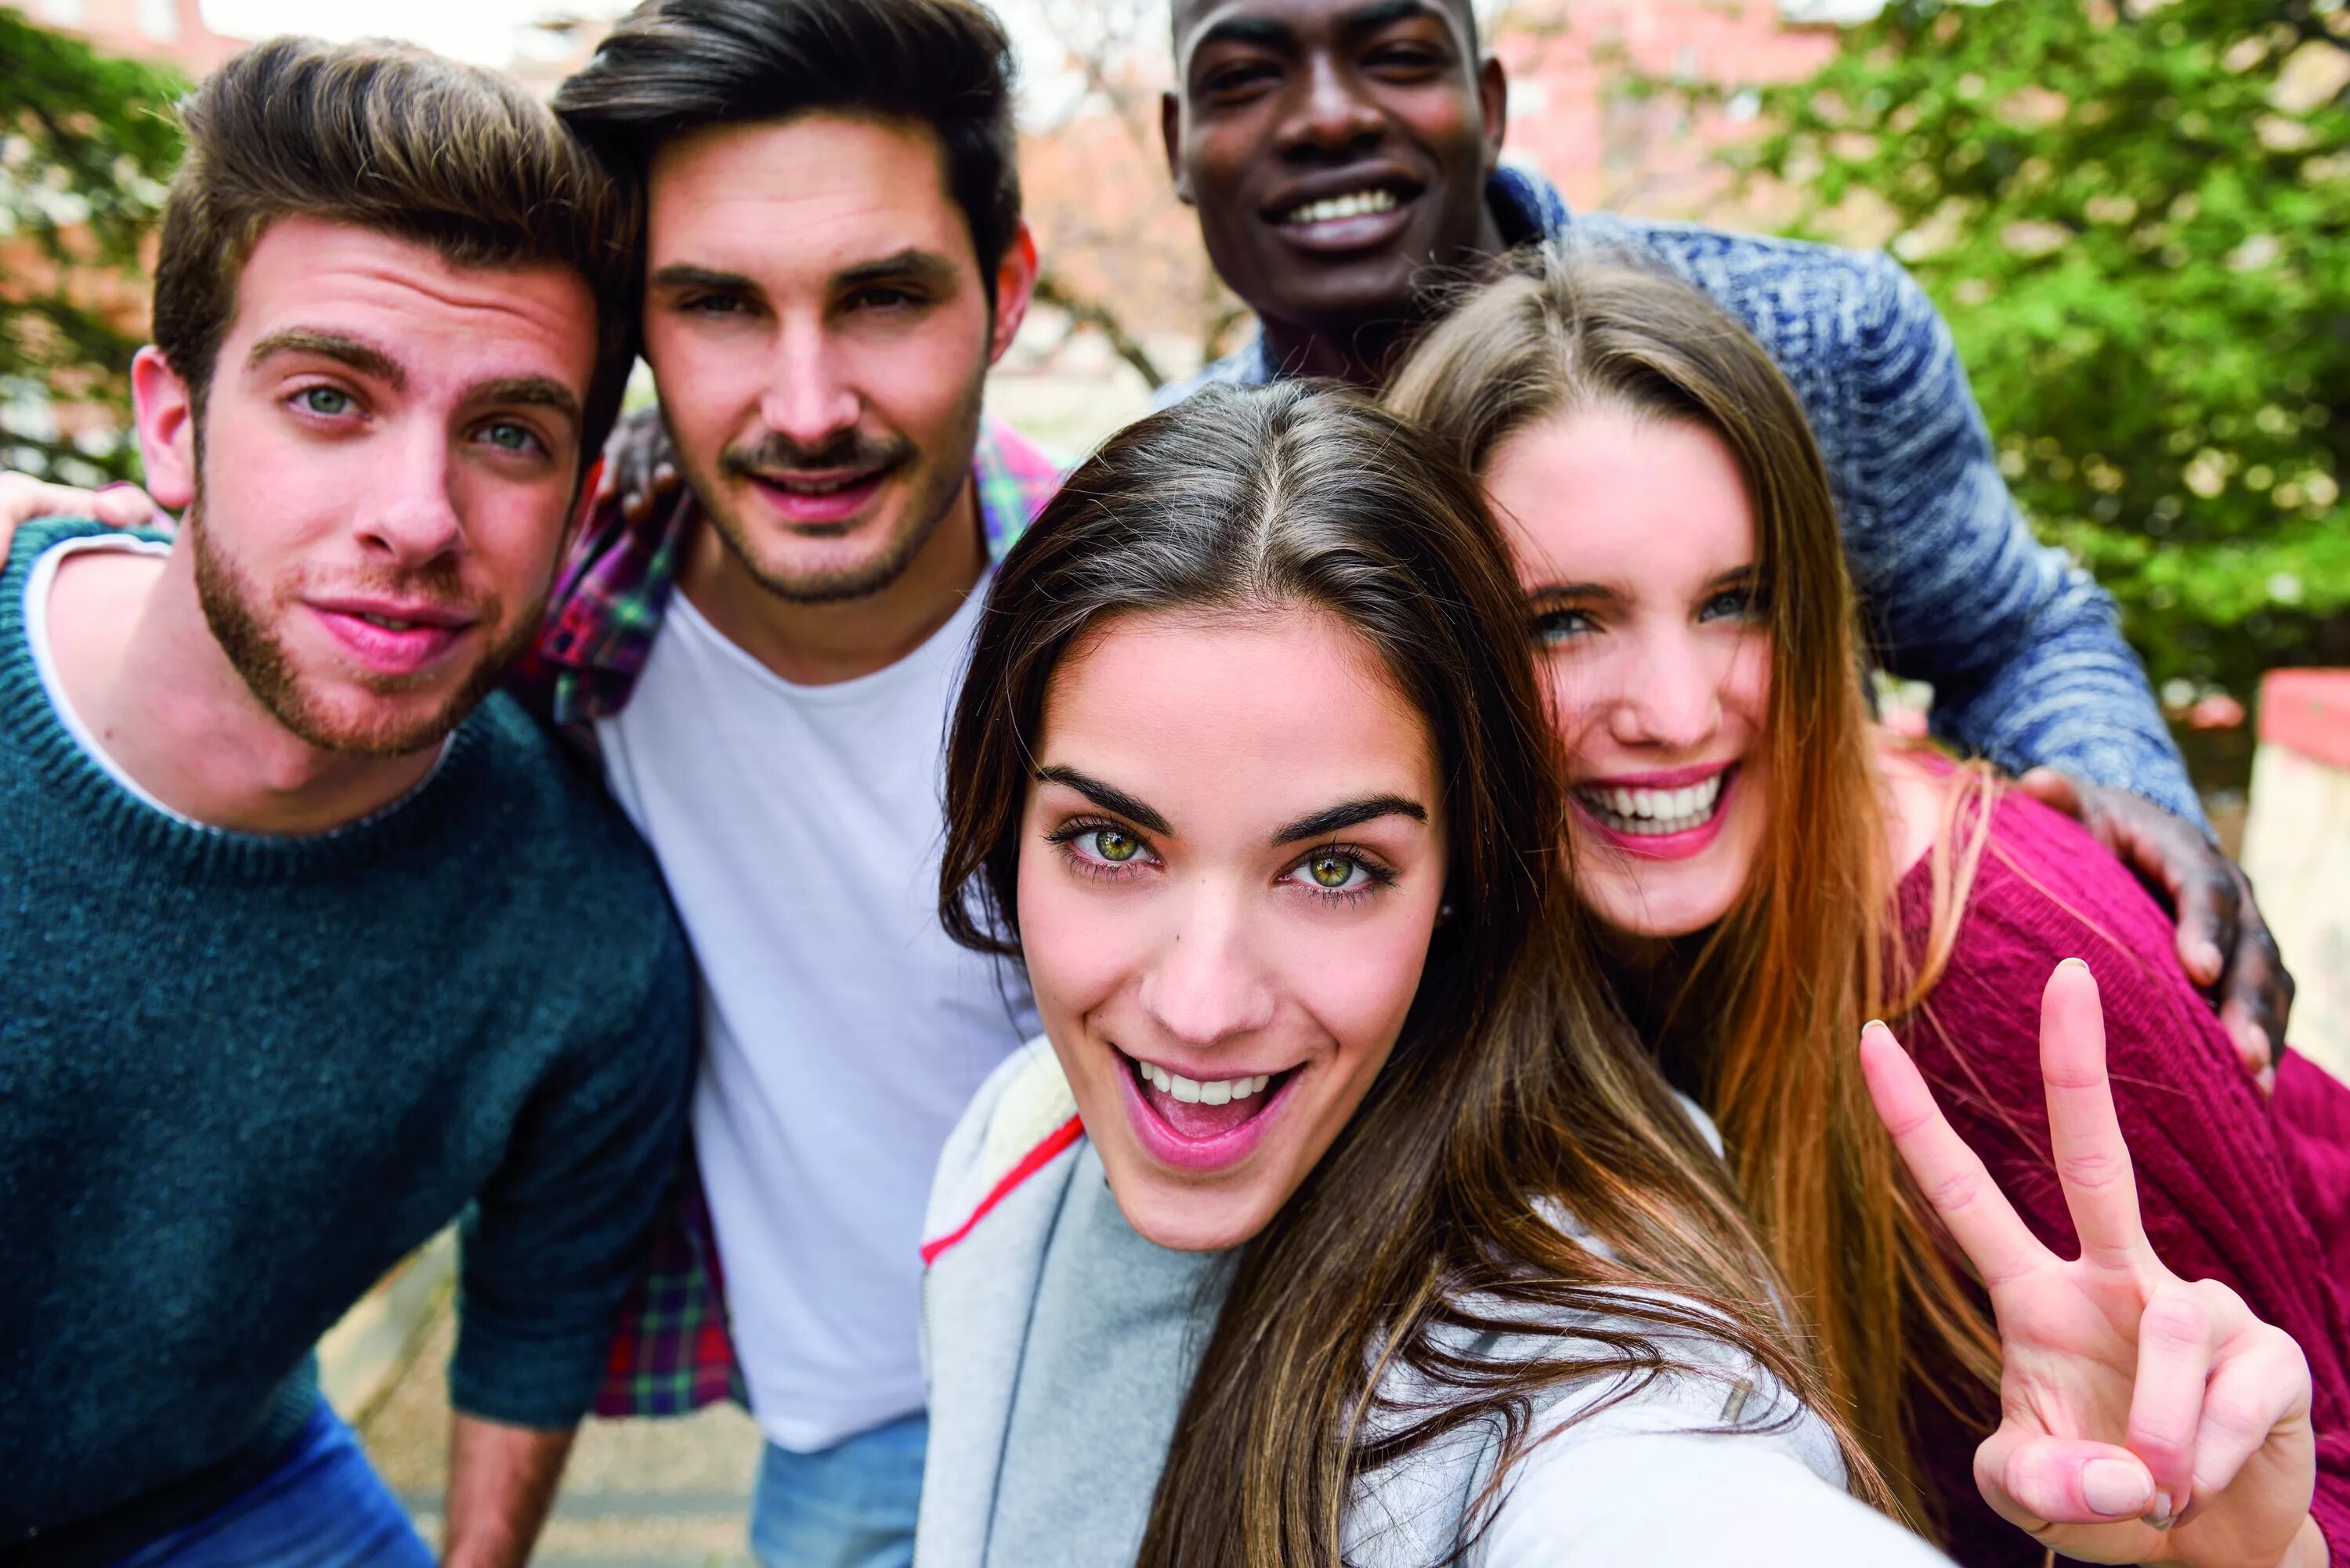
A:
1774	999
392	138
1513	1084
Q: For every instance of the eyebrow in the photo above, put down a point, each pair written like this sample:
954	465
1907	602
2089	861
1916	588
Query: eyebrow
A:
910	264
365	358
532	391
1372	17
1106	796
686	274
1351	813
1603	591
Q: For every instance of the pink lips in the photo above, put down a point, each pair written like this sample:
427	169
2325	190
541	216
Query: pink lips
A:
1665	846
407	650
1164	1143
820	507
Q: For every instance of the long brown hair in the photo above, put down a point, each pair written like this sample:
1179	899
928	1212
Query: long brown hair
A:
1772	1001
1513	1085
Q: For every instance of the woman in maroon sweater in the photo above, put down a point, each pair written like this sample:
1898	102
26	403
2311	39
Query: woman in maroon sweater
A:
1770	870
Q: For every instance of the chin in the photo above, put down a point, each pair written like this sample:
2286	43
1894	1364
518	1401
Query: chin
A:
1184	1221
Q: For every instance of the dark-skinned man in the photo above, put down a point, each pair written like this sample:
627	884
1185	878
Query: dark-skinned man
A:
1343	159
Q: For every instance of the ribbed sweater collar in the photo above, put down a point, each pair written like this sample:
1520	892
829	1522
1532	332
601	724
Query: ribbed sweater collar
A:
37	739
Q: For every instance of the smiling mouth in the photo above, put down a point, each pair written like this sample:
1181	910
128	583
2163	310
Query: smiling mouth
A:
1362	203
1654	813
1201	1110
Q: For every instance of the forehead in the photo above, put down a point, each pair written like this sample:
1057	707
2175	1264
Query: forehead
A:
441	322
1233	724
1307	18
813	192
1609	496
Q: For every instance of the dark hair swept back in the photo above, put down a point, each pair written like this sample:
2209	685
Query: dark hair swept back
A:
1512	1088
670	67
393	138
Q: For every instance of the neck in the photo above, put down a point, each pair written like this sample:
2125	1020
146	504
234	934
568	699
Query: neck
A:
150	682
822	644
1361	352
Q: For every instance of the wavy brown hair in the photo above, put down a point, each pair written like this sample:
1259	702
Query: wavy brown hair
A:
1514	1085
1766	1013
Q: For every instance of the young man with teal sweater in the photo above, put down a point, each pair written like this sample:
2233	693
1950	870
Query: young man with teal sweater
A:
277	993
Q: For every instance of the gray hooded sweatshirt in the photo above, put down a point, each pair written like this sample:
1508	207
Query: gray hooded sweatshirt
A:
1060	1344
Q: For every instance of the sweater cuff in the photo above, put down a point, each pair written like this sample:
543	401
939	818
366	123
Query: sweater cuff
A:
547	1384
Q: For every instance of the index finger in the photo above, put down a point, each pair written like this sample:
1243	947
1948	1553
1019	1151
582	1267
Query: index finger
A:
1947	1171
2085	1134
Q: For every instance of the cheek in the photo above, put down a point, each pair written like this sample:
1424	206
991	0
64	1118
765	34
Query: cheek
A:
1355	981
1078	950
1746	685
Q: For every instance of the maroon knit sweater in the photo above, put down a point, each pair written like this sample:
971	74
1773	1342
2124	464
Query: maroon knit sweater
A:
2253	1194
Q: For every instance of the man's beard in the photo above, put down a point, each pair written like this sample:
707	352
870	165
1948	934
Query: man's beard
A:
933	499
236	613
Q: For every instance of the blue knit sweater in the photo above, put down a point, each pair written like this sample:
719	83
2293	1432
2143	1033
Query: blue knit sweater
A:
2023	650
241	1076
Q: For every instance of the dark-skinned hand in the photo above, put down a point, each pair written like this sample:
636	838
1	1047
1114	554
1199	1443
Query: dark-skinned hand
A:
2222	939
639	466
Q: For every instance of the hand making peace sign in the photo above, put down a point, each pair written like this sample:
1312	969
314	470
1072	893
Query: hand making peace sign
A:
2144	1419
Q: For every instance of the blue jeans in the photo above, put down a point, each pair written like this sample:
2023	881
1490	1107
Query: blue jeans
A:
324	1507
848	1506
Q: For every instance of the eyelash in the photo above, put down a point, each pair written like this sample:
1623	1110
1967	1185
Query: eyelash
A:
1551	628
1065	839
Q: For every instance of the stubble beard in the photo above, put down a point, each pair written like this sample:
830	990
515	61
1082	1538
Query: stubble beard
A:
248	634
927	509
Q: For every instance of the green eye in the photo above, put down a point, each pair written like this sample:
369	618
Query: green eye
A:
1330	871
1114	845
326	401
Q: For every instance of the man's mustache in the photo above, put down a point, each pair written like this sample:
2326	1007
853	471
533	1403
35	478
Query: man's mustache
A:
776	453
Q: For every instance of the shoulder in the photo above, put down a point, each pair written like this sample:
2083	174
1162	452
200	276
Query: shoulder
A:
1015	480
1795	295
1023	1121
556	853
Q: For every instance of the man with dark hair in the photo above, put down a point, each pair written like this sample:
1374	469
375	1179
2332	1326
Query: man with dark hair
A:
764	668
1344	154
279	1001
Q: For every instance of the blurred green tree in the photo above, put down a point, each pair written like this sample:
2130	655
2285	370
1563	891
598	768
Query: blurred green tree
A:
86	142
2136	217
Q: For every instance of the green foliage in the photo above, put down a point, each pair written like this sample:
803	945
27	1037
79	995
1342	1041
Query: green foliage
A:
86	144
2136	217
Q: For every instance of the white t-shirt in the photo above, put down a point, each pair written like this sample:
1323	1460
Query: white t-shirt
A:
799	830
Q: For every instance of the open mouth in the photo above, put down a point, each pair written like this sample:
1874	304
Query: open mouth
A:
1352	205
1199	1111
1654	813
1367	216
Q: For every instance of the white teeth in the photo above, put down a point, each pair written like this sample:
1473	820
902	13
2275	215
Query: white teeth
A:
1355	204
1190	1092
1655	811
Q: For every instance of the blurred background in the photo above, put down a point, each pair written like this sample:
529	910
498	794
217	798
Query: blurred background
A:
2136	215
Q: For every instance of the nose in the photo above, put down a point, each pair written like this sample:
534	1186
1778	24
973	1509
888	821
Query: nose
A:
1207	986
808	398
1671	698
411	518
1332	117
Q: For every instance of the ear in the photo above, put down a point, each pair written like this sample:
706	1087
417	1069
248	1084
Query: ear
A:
1015	283
1170	132
165	412
1493	102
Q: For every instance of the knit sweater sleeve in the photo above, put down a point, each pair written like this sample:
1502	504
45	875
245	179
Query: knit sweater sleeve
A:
2217	1174
551	1246
2023	648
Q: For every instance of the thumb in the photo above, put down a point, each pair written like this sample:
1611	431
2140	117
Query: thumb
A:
126	506
2036	1480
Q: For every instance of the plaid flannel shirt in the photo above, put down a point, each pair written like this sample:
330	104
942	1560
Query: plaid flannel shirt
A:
672	1355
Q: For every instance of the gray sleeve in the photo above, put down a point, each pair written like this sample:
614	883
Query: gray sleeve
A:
551	1246
1688	1499
2022	648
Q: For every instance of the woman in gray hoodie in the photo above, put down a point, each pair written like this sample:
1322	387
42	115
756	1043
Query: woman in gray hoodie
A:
1339	1220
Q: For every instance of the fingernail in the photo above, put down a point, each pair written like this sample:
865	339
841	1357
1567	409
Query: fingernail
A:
2071	963
2159	1514
2266	1082
2117	1488
2207	958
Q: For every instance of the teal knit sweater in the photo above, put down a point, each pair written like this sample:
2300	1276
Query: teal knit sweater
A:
241	1076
